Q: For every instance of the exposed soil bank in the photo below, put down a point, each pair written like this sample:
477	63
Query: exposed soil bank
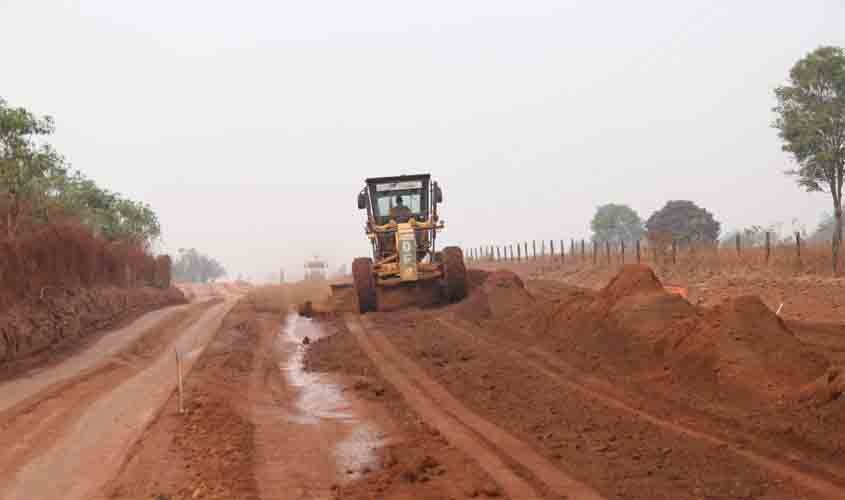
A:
33	330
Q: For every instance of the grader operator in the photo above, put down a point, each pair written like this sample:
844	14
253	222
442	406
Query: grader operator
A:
402	226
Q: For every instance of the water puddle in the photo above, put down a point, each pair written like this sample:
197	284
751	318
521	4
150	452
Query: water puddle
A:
320	401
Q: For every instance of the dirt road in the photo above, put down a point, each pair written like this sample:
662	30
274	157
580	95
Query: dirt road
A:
66	428
580	412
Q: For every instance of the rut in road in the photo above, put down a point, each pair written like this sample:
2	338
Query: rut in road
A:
461	426
817	484
81	443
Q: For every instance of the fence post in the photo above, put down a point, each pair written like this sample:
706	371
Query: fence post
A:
638	251
595	253
622	247
518	252
542	248
498	253
572	248
738	244
674	252
552	250
534	248
798	244
768	247
607	247
562	252
583	251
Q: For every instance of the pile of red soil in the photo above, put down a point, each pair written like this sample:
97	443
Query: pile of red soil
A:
633	328
493	295
61	317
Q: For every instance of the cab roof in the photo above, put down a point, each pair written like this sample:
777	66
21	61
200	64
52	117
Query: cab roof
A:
399	178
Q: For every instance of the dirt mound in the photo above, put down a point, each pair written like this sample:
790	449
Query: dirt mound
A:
632	279
633	328
493	295
754	348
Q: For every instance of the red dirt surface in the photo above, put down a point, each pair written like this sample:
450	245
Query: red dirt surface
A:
420	462
635	391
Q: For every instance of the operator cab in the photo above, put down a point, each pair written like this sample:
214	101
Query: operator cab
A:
399	198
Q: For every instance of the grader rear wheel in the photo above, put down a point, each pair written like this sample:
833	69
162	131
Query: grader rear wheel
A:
454	274
365	284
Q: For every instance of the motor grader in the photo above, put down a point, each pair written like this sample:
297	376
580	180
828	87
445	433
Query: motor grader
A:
402	226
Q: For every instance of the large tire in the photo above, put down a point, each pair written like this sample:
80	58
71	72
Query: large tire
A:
454	274
365	284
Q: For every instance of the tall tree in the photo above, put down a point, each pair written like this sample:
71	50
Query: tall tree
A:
614	223
811	124
684	221
25	164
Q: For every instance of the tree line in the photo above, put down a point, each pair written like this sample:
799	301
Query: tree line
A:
685	222
37	185
196	267
810	120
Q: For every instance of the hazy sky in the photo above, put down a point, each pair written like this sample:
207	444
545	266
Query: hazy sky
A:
249	126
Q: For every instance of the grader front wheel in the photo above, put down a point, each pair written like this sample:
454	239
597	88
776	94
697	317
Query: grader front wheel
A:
365	284
454	274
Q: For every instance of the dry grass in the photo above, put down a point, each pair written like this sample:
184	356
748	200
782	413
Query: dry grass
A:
693	263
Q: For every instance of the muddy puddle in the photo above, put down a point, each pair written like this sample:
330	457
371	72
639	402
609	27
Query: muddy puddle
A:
321	403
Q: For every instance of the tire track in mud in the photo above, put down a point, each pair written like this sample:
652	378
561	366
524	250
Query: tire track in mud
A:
462	427
586	386
49	433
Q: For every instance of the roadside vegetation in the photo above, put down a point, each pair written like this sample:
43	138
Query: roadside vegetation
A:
38	186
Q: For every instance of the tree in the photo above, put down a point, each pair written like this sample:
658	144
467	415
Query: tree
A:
684	221
615	223
195	267
25	165
811	123
36	181
824	231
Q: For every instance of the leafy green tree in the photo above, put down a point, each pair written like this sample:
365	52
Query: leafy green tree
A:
811	124
684	221
614	223
35	181
26	165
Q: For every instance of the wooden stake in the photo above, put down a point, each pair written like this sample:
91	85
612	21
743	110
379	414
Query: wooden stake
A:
179	382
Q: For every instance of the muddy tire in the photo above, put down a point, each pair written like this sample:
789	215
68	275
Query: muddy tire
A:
365	284
454	274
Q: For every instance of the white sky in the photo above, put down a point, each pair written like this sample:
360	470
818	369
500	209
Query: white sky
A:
249	126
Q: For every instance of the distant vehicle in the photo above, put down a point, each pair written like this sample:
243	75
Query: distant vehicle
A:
402	225
316	269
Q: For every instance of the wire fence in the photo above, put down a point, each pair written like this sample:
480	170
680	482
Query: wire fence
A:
794	254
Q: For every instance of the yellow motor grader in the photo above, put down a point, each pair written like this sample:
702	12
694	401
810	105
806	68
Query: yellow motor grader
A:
402	225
